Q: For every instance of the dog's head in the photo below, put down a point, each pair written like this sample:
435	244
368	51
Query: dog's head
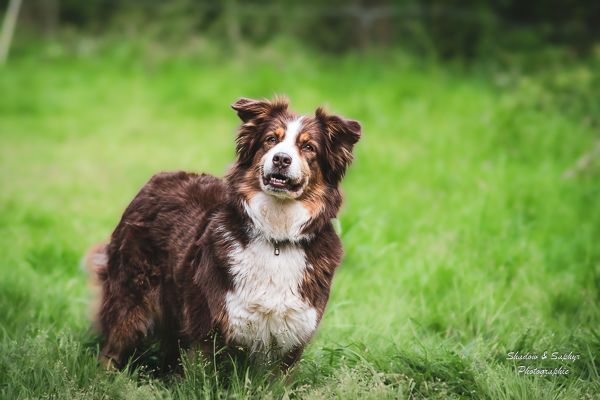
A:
289	156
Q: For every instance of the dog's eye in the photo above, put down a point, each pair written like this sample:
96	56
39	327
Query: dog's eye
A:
308	147
271	139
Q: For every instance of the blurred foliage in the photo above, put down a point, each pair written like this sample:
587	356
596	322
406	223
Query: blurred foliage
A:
444	28
561	84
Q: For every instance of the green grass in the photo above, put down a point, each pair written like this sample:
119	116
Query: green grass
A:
463	239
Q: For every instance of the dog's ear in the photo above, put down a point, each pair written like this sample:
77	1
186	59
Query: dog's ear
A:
254	113
250	109
340	137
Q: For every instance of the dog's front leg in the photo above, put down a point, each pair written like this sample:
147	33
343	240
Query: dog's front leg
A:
290	359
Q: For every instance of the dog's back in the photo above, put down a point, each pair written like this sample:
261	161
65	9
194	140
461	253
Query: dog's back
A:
130	274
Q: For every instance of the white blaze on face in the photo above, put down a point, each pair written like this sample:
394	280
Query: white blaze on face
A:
287	146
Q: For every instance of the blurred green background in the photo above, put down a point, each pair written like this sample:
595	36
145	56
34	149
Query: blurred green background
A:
472	217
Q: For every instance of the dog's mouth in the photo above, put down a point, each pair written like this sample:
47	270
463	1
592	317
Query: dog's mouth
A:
281	183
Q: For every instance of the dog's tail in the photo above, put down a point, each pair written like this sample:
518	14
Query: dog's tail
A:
95	263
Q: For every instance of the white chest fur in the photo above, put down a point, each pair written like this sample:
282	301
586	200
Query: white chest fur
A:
265	309
277	219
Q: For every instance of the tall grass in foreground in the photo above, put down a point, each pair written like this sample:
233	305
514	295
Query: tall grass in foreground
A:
469	231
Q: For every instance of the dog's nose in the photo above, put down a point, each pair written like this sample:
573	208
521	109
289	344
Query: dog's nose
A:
282	160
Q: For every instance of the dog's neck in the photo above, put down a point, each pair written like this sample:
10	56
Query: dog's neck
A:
277	220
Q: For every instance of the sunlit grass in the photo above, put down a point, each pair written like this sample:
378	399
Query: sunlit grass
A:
463	240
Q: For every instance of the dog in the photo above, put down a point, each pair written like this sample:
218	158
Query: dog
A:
245	262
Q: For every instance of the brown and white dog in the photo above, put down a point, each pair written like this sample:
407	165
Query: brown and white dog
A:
246	261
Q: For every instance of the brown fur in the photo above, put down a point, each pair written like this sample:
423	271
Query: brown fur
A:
166	273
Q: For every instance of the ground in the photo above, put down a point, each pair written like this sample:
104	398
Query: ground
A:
469	232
